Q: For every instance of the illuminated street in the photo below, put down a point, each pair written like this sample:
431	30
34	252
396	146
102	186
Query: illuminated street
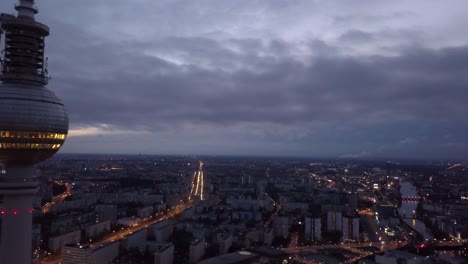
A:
142	223
198	184
59	198
119	235
355	248
196	190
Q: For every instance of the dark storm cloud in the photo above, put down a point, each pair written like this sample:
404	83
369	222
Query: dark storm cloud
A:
267	77
329	89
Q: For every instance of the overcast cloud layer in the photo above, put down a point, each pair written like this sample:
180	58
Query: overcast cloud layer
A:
306	78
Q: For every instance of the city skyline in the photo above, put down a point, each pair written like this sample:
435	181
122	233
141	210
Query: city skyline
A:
375	79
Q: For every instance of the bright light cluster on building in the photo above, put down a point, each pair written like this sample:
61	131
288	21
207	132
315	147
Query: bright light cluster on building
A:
28	134
29	146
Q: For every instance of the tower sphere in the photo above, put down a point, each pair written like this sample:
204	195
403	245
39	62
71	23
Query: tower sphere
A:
33	121
33	124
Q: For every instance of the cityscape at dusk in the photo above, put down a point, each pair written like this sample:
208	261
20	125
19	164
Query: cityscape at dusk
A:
233	132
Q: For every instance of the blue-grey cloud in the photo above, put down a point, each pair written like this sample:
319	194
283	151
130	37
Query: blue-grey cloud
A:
317	78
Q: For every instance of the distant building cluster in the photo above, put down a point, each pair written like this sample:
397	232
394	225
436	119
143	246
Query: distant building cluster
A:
133	208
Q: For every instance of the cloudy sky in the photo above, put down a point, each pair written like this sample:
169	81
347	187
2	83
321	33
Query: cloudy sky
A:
314	78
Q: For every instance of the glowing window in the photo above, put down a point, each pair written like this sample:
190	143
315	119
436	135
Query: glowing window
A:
19	134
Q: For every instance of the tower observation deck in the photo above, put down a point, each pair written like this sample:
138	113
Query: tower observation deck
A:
33	125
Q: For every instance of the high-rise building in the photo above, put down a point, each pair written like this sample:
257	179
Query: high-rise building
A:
353	199
56	243
225	243
84	254
135	240
105	212
33	125
161	231
351	227
313	228
105	254
165	254
281	226
197	250
74	254
334	220
268	236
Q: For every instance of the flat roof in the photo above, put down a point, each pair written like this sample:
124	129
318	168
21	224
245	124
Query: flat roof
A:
196	242
231	258
164	248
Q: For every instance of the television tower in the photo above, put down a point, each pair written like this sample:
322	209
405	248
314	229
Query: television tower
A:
33	126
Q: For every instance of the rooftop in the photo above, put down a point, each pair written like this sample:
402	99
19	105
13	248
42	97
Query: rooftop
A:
232	258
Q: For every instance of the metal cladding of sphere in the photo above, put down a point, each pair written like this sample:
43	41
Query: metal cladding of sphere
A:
33	124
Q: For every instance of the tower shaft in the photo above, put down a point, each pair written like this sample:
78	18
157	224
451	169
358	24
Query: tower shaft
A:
18	189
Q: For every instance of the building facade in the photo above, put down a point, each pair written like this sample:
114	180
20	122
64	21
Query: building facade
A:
313	228
165	254
73	254
197	250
